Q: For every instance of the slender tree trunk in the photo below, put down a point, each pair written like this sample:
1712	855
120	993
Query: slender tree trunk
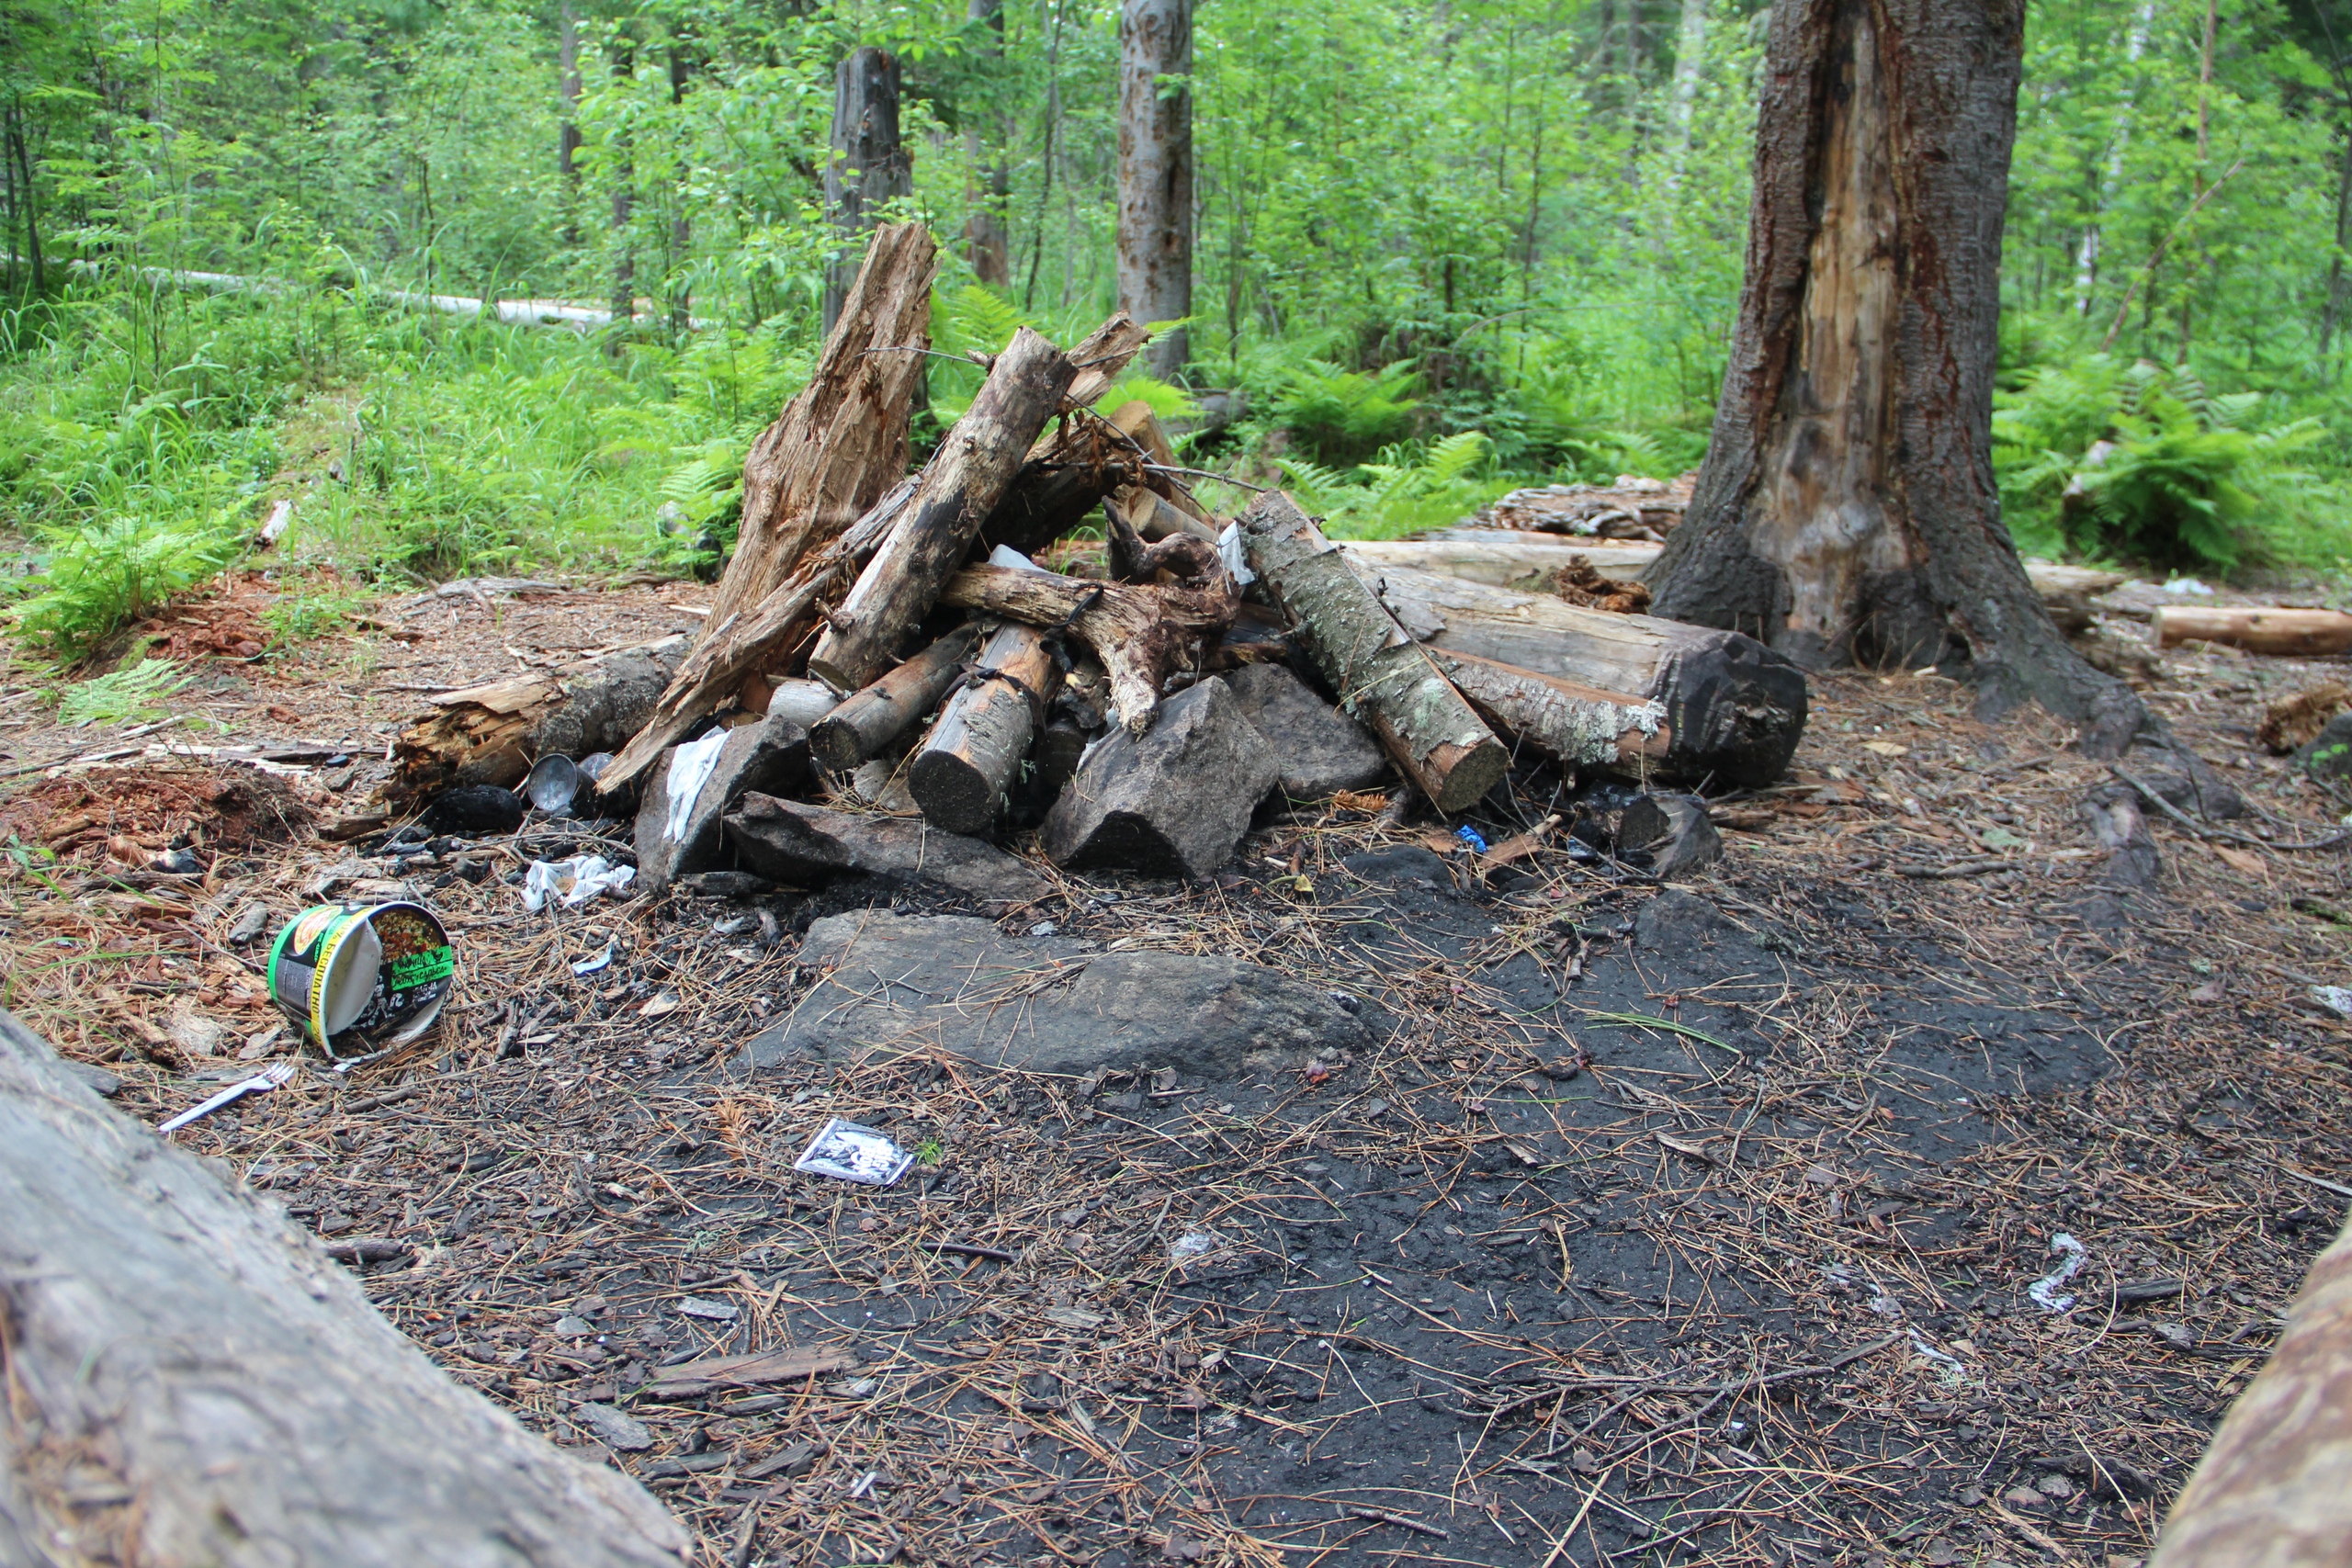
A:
25	202
986	245
1689	59
1045	180
624	208
2135	43
870	166
1845	511
2339	287
567	144
1156	172
682	228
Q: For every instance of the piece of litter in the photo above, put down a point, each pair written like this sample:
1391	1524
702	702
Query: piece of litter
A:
1235	554
2336	999
1193	1246
574	882
2044	1291
718	1312
590	965
1472	837
2188	585
690	768
849	1151
729	926
1043	928
277	1076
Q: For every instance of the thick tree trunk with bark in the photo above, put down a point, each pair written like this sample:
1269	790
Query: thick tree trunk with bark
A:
960	486
492	735
1846	512
842	441
870	168
863	725
1381	674
1155	240
191	1379
967	761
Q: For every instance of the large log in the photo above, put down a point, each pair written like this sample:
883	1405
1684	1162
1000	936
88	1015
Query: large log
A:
869	720
191	1379
491	734
2274	1489
842	441
960	775
1381	674
961	484
1726	696
2292	634
1142	633
1569	722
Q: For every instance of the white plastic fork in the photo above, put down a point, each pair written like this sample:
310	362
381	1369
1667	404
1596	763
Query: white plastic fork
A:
277	1075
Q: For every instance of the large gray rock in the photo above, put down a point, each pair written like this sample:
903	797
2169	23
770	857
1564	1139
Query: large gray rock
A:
1175	801
1320	750
897	984
809	845
769	755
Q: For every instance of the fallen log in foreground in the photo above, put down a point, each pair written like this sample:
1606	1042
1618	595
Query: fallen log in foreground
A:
1568	722
2293	634
1380	673
192	1380
1735	707
961	774
2274	1489
491	734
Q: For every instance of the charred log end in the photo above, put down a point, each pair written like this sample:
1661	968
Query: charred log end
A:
1734	708
955	797
836	745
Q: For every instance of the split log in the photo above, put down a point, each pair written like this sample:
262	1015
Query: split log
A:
2292	634
192	1379
864	724
755	640
1383	675
491	734
842	441
960	775
1727	698
2270	1489
960	485
1569	722
1142	633
1155	517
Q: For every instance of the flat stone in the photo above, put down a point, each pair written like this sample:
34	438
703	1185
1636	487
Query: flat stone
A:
1174	801
95	1078
1320	750
616	1430
898	984
768	756
809	845
1403	865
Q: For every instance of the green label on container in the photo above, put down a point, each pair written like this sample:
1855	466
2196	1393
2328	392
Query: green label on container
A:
415	969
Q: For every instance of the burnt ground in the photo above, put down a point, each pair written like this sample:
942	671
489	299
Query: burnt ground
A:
1718	1251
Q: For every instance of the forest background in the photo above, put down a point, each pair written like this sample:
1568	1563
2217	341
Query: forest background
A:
1443	249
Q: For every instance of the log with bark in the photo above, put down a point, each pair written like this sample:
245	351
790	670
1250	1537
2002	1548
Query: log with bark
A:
842	441
864	724
1383	675
961	772
1064	478
1734	707
2293	634
1143	633
491	734
1569	722
191	1378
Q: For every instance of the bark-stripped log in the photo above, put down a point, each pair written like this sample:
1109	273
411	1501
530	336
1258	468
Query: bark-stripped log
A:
868	721
191	1379
961	774
1570	722
962	484
1143	634
842	441
1728	697
2293	634
2275	1488
492	735
1381	674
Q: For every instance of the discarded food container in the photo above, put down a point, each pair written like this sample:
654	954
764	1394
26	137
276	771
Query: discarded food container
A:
379	974
554	785
851	1152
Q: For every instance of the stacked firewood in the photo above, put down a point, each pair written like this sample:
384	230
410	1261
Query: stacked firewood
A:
870	616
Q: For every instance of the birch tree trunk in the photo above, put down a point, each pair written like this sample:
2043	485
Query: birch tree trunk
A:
1846	512
870	166
1155	242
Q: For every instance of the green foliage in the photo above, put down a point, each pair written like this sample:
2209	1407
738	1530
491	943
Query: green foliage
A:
309	610
1166	401
133	692
99	576
1405	490
1339	416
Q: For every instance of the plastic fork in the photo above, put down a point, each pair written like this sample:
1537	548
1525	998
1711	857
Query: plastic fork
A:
277	1075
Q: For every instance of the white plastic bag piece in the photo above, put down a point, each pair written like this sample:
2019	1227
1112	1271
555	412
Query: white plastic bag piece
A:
2044	1291
1236	559
574	882
690	769
1005	555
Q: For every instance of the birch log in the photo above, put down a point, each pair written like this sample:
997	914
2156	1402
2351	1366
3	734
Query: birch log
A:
1381	674
2293	634
1574	724
965	765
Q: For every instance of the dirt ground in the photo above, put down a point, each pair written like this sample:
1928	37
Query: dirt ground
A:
1679	1225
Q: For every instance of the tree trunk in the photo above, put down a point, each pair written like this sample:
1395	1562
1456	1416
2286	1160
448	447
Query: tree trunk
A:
492	735
960	775
624	207
2339	287
1735	708
1155	240
961	484
566	139
192	1379
1846	512
682	227
1383	676
864	725
986	244
870	166
1689	59
842	441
